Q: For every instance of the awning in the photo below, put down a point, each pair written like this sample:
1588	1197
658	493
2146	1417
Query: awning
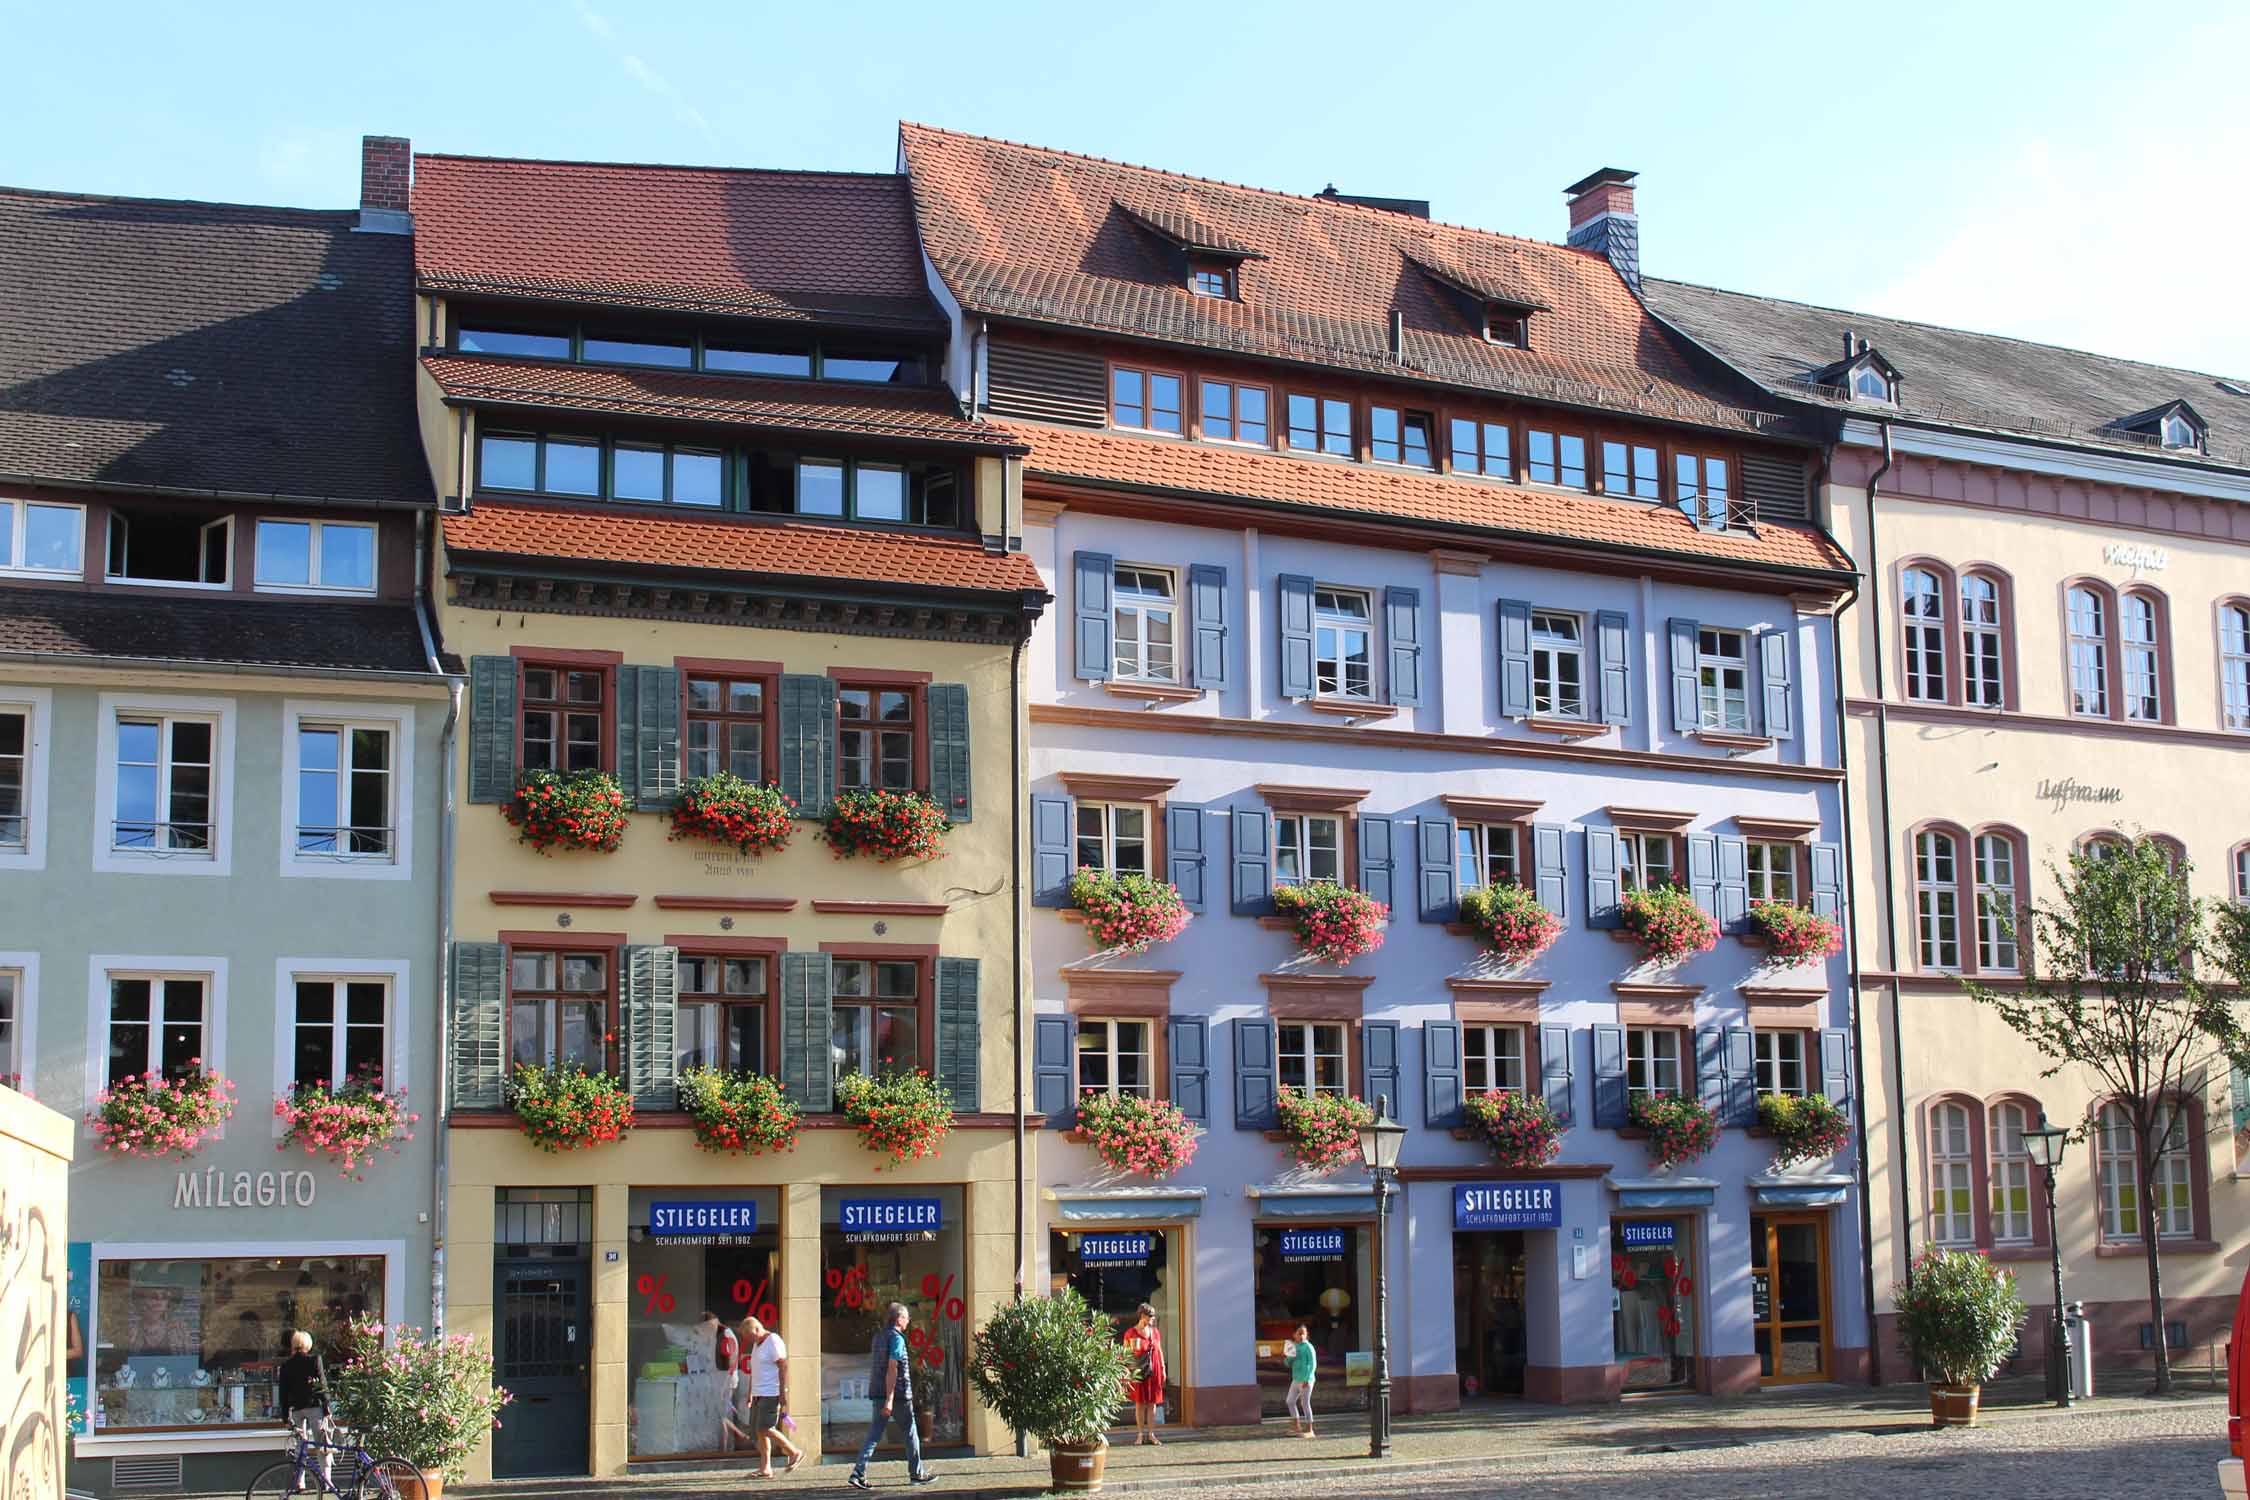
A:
1822	1190
1665	1192
1123	1204
1312	1200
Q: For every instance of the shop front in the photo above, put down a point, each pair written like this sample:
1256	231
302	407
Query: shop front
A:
1314	1276
879	1246
1652	1277
692	1252
1116	1271
1492	1223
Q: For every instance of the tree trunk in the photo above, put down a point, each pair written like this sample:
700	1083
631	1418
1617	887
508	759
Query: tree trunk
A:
2147	1188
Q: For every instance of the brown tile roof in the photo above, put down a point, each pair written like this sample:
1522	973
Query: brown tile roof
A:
1047	236
1210	469
783	245
879	411
774	548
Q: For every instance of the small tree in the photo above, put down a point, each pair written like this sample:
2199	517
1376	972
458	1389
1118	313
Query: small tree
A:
2115	985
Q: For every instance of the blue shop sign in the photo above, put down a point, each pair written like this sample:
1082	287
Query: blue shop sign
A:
1312	1244
866	1220
1115	1249
1641	1234
1507	1205
734	1216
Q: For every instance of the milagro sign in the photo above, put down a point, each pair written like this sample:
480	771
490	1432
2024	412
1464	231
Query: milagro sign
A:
215	1187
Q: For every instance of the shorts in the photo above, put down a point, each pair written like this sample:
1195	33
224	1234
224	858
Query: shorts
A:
765	1414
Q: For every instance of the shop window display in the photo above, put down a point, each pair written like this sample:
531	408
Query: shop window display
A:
691	1251
1652	1296
878	1246
1116	1270
1314	1274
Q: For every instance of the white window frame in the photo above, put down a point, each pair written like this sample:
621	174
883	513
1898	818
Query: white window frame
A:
2242	873
1634	866
1982	643
1937	901
115	861
1992	938
1109	834
136	581
37	704
312	559
2087	651
1312	1053
400	720
1550	648
1301	845
1713	698
1775	1053
101	968
2121	1176
24	964
2009	1170
17	526
1473	842
1143	612
1770	870
1492	1035
1921	606
2234	666
1869	383
1952	1171
395	973
1344	624
1643	1052
1110	1052
2177	432
2141	658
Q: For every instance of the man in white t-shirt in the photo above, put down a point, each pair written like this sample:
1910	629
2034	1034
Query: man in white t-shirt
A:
769	1396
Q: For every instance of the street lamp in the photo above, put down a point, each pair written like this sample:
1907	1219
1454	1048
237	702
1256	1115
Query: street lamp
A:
2045	1143
1379	1141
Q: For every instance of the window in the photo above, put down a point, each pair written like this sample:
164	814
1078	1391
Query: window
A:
165	791
2089	653
594	468
1982	684
1869	383
1953	1218
623	351
2242	873
1482	448
1211	281
875	1016
1488	854
1235	413
1307	847
169	544
1922	608
870	366
1723	680
333	556
1937	911
565	718
1772	870
15	998
1652	1062
42	540
1144	399
1311	1056
1781	1062
15	778
2234	663
523	343
1492	1059
1116	1057
1113	836
1558	665
1646	861
1505	325
1631	469
558	1008
724	727
662	474
875	738
759	359
1996	901
2176	431
1555	458
911	494
1400	437
2121	1176
1146	621
1701	482
2141	640
344	797
1318	424
2011	1175
1343	644
339	1035
722	1020
157	1023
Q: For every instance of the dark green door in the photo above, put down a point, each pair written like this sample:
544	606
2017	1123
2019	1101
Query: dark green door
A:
543	1351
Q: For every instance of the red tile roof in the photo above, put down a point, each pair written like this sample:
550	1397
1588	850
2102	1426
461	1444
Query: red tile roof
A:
1209	469
1048	236
773	548
788	245
881	411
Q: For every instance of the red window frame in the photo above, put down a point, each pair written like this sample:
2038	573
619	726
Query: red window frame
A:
720	949
767	674
924	959
611	947
916	685
558	660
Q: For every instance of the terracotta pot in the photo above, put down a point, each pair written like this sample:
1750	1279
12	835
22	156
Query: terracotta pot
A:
429	1486
1077	1467
1954	1405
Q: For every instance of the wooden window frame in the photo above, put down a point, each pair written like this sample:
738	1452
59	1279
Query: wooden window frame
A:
1373	697
1508	327
1808	1060
339	1027
1230	279
1683	1040
1973	1156
1954	629
2160	648
1703	458
924	958
767	674
1589	669
1633	447
1526	1034
1286	427
206	1025
2034	1180
611	948
1629	850
1152	814
1158	1060
1913	684
1344	844
2238	872
915	685
529	659
2004	603
1519	832
2112	682
1407	416
1743	663
1354	1085
719	951
1481	428
1588	457
1147	374
1234	389
1800	873
1176	591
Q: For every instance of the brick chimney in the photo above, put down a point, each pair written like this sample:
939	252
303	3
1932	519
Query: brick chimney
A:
386	179
1602	220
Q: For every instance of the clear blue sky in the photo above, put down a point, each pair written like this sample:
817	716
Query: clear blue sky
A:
2065	171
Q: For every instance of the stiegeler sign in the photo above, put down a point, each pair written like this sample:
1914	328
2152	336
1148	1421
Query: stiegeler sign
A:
1507	1205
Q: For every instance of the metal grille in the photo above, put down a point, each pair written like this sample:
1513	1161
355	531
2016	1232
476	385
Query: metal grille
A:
1775	487
527	1217
538	1314
1056	385
157	1472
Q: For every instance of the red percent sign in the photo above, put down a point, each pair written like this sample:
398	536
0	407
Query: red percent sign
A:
654	1299
945	1305
849	1288
752	1299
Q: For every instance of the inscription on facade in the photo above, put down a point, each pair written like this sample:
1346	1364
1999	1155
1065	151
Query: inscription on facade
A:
213	1188
2137	555
2068	791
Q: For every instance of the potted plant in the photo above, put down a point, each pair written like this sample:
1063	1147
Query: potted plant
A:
883	824
1667	923
1509	921
583	810
155	1116
744	816
1959	1315
1146	1137
1052	1368
1322	1129
1521	1131
427	1401
349	1125
1804	1127
1795	933
737	1114
902	1115
1679	1130
1128	913
567	1108
1332	922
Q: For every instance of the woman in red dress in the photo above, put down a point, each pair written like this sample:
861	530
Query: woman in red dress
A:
1144	1383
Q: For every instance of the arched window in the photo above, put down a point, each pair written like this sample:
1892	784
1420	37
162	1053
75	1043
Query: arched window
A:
1998	907
1983	684
2089	652
2234	664
2172	1188
2011	1174
2141	648
1953	1194
1937	899
1922	608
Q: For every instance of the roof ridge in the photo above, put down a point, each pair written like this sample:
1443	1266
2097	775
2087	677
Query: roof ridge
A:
657	166
65	195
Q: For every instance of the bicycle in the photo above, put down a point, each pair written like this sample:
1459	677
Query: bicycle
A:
371	1478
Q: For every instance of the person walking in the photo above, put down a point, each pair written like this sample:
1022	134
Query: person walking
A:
304	1397
1303	1364
1144	1385
890	1384
769	1396
724	1350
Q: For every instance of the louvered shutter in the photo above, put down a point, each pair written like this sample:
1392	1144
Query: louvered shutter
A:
806	1025
1610	1111
652	1013
1188	1040
808	742
1515	657
1054	1088
1828	880
1703	872
1378	1044
492	728
1050	850
1603	887
1375	865
1711	1069
1253	1075
1555	1070
1441	1075
1836	1064
1547	867
1733	885
1741	1066
1184	863
479	1016
1295	612
1439	898
1250	837
1687	708
1094	575
1780	702
1613	656
1402	629
949	749
958	1036
648	736
1207	616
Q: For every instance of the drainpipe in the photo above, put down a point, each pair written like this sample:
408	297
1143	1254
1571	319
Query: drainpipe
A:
443	1152
1015	928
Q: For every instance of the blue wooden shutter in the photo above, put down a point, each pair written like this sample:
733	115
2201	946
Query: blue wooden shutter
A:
1741	1066
1439	899
1253	1075
1054	1084
1603	888
1441	1075
479	1041
1096	653
806	1026
1773	661
1610	1111
492	728
1836	1064
1828	880
958	1032
1711	1069
1547	865
1554	1070
1515	657
949	749
1703	872
1184	862
1378	1042
1207	616
1687	705
1734	885
1250	833
1402	629
652	1011
1375	857
1051	831
1188	1040
808	742
1295	594
1613	655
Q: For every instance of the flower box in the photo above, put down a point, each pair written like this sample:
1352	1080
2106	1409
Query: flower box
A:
1144	1137
349	1125
1509	921
1332	922
737	1114
741	815
567	1108
1128	913
1521	1131
1322	1130
884	825
157	1116
1667	924
1794	933
583	810
903	1116
1679	1130
1804	1127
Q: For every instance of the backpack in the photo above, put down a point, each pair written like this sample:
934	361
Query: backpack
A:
722	1354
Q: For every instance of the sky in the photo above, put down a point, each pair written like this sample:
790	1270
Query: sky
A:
2066	171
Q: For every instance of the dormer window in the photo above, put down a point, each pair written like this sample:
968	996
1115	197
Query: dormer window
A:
2175	425
1862	374
2176	431
1870	384
1211	279
1504	324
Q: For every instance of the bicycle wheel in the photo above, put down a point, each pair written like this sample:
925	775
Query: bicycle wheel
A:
389	1479
279	1482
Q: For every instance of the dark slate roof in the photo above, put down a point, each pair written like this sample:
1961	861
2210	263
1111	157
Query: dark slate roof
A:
1953	378
226	631
206	347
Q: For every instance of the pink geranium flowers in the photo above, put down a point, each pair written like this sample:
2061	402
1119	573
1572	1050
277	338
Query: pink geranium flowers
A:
348	1126
1127	913
152	1115
1509	920
1322	1129
1146	1137
1333	922
1522	1131
1795	933
1667	923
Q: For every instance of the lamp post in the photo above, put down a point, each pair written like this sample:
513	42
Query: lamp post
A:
1379	1143
2045	1143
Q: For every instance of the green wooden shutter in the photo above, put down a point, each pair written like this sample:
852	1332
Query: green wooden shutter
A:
655	722
949	748
805	981
808	743
652	1012
479	1034
957	1031
492	728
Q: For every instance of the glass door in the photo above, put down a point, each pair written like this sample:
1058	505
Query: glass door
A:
1789	1296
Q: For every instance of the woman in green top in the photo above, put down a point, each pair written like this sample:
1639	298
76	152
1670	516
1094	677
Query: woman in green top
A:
1298	1351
